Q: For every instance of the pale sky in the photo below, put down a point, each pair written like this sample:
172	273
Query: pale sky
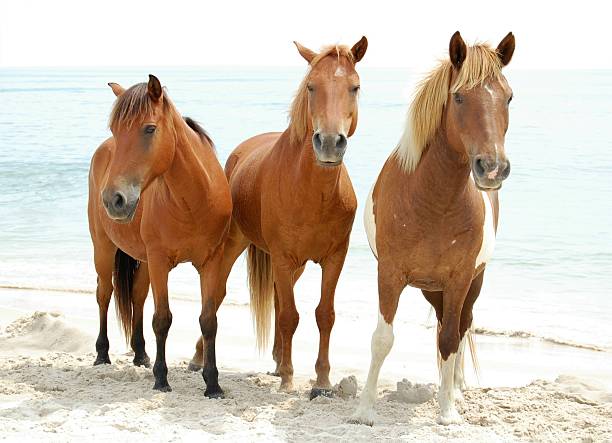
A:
549	35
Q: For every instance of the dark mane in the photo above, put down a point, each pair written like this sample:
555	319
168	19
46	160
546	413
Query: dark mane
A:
200	131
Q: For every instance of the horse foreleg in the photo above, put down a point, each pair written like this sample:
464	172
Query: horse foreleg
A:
140	290
326	317
104	259
448	345
288	318
390	286
159	268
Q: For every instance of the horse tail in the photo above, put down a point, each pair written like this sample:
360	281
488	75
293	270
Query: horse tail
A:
125	268
469	334
261	286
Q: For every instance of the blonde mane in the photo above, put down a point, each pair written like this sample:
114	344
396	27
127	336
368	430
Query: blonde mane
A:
425	113
298	114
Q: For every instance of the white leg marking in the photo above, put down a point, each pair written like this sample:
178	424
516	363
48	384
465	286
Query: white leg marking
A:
459	378
382	341
370	222
446	394
488	233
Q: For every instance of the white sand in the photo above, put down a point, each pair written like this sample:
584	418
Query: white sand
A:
50	391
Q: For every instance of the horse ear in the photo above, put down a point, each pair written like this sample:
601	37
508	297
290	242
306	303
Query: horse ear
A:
308	54
117	89
457	50
359	49
505	49
154	88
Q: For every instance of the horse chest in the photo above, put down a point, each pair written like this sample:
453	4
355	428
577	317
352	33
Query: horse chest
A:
429	249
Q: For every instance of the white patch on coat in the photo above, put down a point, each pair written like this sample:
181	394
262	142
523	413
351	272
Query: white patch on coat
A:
370	222
446	394
459	376
488	233
340	72
382	341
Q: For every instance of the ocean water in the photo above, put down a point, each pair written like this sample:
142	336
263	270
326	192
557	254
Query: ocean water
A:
551	275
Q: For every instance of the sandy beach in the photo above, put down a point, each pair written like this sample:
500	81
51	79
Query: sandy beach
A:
50	390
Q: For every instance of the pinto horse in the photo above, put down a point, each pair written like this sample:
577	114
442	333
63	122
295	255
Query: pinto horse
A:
294	202
432	214
157	197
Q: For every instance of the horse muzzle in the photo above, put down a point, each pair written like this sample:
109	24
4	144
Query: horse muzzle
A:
489	173
121	204
329	148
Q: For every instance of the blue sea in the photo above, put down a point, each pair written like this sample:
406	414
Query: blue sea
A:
551	275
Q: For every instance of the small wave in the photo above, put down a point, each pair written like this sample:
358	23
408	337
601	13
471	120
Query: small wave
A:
530	335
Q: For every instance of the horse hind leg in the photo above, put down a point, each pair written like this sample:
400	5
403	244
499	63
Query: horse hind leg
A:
104	259
464	333
448	345
277	351
140	290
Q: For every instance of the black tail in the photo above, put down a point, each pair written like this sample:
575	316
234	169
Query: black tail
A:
125	268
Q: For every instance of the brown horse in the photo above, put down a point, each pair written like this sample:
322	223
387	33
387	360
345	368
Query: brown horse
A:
157	197
294	202
432	214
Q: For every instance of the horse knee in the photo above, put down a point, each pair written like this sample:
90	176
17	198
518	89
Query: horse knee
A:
325	319
288	321
448	342
382	339
161	323
208	325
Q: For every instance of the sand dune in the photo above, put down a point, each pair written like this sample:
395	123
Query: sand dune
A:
49	390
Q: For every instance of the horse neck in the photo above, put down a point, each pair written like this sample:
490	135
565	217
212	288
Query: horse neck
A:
187	178
443	173
308	177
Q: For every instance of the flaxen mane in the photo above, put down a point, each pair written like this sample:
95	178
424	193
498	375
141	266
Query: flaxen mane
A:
425	113
298	114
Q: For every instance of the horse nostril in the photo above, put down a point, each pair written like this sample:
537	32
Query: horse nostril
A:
341	141
479	167
118	201
316	140
505	172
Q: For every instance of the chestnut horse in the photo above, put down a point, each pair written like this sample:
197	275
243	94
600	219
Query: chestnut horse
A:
432	214
157	197
294	202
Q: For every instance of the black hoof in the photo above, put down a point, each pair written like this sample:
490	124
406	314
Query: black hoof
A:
162	387
194	368
102	360
316	392
142	361
214	393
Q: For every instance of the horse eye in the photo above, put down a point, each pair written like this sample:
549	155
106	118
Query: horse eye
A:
510	99
310	88
458	98
355	89
149	129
